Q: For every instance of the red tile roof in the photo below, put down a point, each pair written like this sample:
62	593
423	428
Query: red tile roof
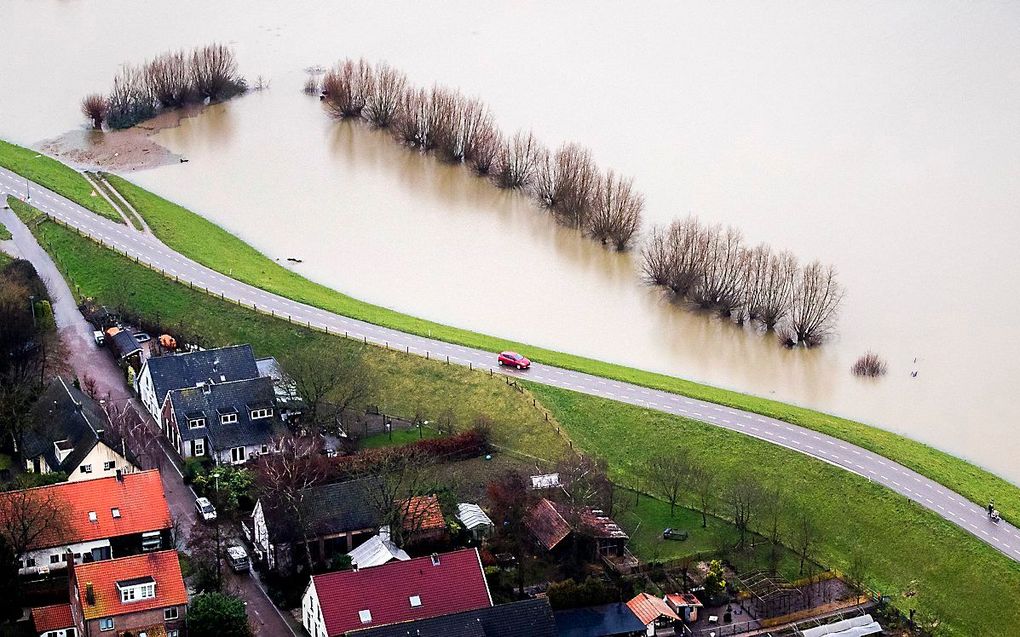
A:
54	617
138	497
162	566
457	583
679	600
546	523
423	513
649	608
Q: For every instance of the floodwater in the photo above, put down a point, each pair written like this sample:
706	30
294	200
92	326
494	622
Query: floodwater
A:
882	137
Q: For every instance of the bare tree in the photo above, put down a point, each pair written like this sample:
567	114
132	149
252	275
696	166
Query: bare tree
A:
481	138
388	89
669	474
131	436
585	482
450	108
616	210
746	497
565	182
769	279
168	78
30	516
416	119
815	303
214	73
720	284
395	479
516	160
330	381
129	101
703	483
803	535
95	107
347	88
774	512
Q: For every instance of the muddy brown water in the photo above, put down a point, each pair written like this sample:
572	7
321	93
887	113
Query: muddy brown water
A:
882	137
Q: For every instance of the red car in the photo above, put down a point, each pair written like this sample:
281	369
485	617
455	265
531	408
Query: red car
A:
513	359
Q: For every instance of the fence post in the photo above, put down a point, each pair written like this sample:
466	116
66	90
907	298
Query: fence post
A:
447	360
426	354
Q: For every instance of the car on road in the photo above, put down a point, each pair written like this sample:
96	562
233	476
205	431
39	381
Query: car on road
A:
205	509
237	557
513	359
142	337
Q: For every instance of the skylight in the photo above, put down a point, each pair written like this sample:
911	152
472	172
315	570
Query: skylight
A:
415	601
366	616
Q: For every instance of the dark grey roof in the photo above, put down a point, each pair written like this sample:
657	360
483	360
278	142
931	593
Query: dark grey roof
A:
124	344
598	621
238	397
528	618
66	413
327	509
223	364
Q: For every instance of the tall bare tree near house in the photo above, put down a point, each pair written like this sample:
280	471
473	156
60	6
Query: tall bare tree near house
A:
28	516
817	296
668	473
586	482
704	483
394	480
516	160
330	381
616	210
720	284
388	87
804	534
133	436
746	497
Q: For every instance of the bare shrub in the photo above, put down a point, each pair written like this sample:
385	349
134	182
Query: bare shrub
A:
214	73
564	182
616	210
450	107
720	285
769	280
168	79
129	101
347	88
515	162
482	144
416	119
388	89
311	86
95	107
870	364
657	257
815	302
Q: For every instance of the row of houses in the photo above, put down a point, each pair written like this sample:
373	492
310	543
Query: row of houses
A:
112	538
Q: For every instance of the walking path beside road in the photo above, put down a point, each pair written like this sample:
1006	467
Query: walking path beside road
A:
147	249
83	357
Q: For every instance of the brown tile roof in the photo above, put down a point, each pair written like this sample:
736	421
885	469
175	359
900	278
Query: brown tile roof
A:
648	608
162	566
546	523
54	617
679	600
423	513
138	497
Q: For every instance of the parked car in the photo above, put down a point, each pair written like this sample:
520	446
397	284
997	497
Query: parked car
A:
99	338
205	509
237	557
513	359
142	337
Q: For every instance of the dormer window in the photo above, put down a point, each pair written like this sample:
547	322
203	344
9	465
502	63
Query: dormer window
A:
365	616
62	449
137	589
196	423
415	601
228	419
257	414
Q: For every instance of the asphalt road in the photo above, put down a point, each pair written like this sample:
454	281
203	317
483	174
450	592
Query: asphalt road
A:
81	357
147	249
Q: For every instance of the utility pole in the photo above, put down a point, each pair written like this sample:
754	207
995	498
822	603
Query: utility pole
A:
219	548
31	303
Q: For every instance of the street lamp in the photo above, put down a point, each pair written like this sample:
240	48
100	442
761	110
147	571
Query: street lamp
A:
31	303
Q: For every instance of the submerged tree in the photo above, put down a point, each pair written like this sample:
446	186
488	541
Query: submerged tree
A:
347	88
214	73
720	285
95	107
387	92
615	211
515	162
815	303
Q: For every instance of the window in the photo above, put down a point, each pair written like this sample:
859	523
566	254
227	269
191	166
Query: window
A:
228	419
127	595
265	449
196	423
198	447
151	541
133	593
257	414
93	517
115	512
415	601
170	614
85	468
365	616
55	559
106	623
173	633
108	466
237	455
29	562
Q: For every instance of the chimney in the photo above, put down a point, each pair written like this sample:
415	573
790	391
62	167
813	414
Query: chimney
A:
435	559
90	594
120	476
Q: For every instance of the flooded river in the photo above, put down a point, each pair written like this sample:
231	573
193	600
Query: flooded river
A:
881	137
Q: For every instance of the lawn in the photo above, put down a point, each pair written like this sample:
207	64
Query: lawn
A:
56	176
405	384
397	437
216	248
5	234
969	585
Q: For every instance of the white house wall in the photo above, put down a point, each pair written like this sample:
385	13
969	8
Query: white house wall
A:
311	613
42	556
98	457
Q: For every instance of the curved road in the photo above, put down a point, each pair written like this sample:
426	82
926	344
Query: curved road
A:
149	250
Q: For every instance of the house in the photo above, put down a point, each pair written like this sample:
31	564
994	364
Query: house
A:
423	521
527	618
376	551
69	432
287	397
337	518
125	348
98	520
137	595
232	421
685	605
53	621
475	522
608	620
653	612
335	604
552	524
162	374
